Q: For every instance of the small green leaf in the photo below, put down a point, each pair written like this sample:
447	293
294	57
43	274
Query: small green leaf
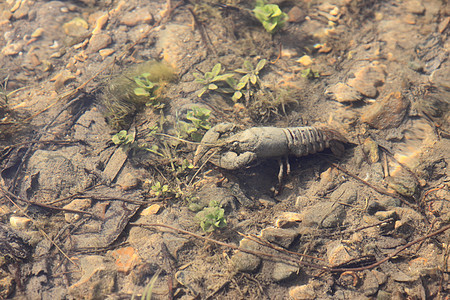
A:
241	84
141	92
222	77
248	65
216	70
202	91
261	65
212	86
237	95
253	79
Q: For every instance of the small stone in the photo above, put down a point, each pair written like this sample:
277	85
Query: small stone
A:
337	253
345	193
37	33
98	42
342	92
126	258
245	262
77	27
383	215
98	278
370	285
77	204
12	49
371	148
296	15
374	207
324	214
405	186
381	277
382	295
175	244
441	78
288	219
279	236
305	60
415	7
61	78
386	113
139	16
128	181
409	19
267	201
368	79
151	210
302	292
21	223
282	271
7	284
106	52
100	23
403	277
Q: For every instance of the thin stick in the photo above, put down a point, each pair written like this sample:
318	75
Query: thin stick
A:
396	252
232	246
75	211
42	231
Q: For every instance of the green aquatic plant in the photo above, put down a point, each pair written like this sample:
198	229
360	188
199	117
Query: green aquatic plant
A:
123	138
159	189
270	16
126	93
212	217
209	80
310	74
148	89
197	125
250	78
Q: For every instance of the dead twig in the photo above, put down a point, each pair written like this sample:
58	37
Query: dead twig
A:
395	253
294	259
75	211
41	230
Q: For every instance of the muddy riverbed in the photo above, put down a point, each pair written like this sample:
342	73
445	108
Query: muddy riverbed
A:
103	105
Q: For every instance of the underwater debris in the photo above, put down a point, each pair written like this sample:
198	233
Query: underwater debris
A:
119	98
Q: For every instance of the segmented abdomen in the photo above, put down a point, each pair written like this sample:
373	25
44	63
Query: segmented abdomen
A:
305	140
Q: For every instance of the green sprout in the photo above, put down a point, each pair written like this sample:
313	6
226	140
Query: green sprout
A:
198	117
309	74
146	88
209	79
270	16
211	217
159	190
251	78
123	138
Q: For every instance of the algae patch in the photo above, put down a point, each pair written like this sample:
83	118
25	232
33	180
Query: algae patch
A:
122	95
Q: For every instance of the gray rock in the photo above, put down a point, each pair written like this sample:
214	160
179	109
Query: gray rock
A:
279	236
383	215
342	92
324	214
403	277
346	193
302	292
382	295
370	285
174	244
387	113
282	271
245	262
381	277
